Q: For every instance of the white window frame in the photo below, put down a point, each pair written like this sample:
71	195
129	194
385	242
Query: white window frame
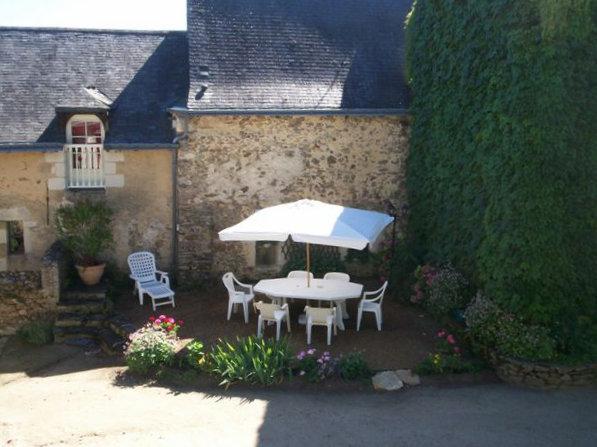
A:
87	118
90	173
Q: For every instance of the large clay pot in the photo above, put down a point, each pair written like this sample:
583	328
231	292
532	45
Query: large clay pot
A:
91	275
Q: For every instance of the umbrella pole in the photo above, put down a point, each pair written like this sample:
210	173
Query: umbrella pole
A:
308	266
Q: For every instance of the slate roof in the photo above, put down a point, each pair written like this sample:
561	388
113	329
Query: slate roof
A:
297	54
44	70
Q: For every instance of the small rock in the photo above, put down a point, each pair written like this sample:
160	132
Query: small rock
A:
407	376
387	381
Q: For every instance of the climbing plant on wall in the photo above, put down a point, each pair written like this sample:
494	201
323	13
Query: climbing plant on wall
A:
503	161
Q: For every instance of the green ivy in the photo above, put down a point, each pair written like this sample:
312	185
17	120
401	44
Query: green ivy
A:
501	172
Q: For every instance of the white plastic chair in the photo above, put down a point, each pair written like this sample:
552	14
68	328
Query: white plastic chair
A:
294	274
338	276
372	305
274	313
238	293
317	316
149	280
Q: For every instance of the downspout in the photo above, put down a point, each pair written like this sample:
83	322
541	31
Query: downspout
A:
181	136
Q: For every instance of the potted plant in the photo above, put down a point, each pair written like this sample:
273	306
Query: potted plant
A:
85	230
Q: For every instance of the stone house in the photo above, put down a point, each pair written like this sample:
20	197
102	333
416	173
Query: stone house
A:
185	133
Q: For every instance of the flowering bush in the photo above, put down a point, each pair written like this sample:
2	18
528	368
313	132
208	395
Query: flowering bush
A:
440	290
166	323
491	327
150	347
314	367
447	358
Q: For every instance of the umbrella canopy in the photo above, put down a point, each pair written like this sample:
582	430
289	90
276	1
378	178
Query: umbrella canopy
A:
311	221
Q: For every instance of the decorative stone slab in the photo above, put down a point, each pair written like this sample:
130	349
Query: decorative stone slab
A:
387	381
408	377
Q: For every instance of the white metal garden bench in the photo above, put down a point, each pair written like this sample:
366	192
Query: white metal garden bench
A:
149	280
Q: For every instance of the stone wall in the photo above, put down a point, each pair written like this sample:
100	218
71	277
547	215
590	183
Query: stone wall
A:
139	190
544	376
231	166
30	295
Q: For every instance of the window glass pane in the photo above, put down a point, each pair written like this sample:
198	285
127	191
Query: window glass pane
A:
266	253
94	129
78	128
16	243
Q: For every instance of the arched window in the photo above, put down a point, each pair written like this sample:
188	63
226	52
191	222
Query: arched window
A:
84	129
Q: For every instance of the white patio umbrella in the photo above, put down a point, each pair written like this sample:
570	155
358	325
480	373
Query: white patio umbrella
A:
311	222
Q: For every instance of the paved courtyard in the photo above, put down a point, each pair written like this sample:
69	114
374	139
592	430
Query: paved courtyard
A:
80	401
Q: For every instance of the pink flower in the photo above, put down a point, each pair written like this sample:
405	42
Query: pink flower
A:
171	320
441	333
158	321
450	339
456	349
180	322
162	317
311	351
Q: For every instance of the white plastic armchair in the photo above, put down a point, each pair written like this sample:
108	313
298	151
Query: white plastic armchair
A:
338	276
300	274
372	305
274	313
238	293
317	316
149	280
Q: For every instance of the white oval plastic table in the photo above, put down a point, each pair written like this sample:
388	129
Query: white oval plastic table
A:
320	289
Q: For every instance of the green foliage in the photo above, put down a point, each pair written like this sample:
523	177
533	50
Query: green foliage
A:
257	361
195	356
501	171
322	261
85	230
149	349
353	366
37	332
508	334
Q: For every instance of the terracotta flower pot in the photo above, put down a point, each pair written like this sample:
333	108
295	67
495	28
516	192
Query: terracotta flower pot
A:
92	274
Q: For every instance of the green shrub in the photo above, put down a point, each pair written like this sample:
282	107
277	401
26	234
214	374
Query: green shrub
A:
195	356
323	259
440	290
353	366
256	361
501	168
85	230
507	333
149	349
37	332
315	367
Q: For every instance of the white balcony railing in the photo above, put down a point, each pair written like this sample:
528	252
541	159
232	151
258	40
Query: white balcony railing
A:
85	165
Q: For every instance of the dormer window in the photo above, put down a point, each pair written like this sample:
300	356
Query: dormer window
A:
84	129
85	137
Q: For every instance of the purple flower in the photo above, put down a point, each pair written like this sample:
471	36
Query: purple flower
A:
311	351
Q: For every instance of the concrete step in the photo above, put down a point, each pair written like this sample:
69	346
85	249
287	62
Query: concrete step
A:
82	292
68	319
65	333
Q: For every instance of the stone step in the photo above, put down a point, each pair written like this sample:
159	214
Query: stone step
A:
65	333
67	319
120	325
111	342
87	306
83	295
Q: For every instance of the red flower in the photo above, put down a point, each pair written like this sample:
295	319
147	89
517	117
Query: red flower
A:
441	333
456	349
450	339
180	322
169	328
152	318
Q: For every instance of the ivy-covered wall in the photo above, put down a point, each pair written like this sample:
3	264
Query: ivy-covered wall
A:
503	161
